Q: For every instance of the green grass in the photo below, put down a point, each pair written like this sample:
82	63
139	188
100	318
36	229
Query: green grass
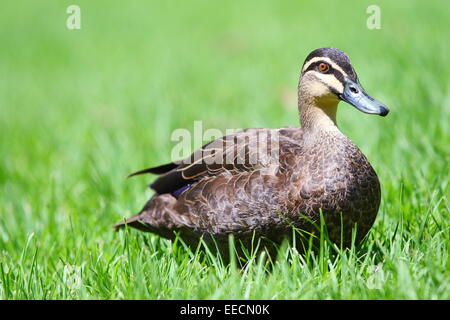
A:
79	110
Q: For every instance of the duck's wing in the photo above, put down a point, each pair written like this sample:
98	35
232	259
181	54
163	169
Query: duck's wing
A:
245	150
198	195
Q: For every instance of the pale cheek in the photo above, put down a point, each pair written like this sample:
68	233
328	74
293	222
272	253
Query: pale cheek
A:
317	89
331	81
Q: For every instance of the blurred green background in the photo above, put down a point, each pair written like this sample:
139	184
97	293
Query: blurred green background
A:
80	109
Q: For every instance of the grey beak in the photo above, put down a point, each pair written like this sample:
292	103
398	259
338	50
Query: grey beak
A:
355	95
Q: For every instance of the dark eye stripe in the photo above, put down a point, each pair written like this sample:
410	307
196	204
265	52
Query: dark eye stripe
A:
314	65
328	86
338	76
331	70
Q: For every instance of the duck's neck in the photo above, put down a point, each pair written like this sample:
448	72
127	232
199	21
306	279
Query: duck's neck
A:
317	114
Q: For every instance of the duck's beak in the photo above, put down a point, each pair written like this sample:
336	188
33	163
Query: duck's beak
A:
357	97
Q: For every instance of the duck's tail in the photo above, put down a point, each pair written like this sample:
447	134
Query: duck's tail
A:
132	222
158	216
155	170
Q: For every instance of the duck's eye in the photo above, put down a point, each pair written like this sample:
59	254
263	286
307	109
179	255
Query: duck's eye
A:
324	67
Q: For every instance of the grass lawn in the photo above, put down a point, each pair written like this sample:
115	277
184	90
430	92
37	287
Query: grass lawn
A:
80	109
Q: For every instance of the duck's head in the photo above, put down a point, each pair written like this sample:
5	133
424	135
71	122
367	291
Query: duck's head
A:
327	77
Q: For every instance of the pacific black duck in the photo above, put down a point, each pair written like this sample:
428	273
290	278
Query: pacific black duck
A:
308	170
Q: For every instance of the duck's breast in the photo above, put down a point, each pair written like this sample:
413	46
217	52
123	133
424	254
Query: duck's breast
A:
334	176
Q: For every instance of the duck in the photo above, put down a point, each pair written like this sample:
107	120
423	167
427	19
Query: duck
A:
304	175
